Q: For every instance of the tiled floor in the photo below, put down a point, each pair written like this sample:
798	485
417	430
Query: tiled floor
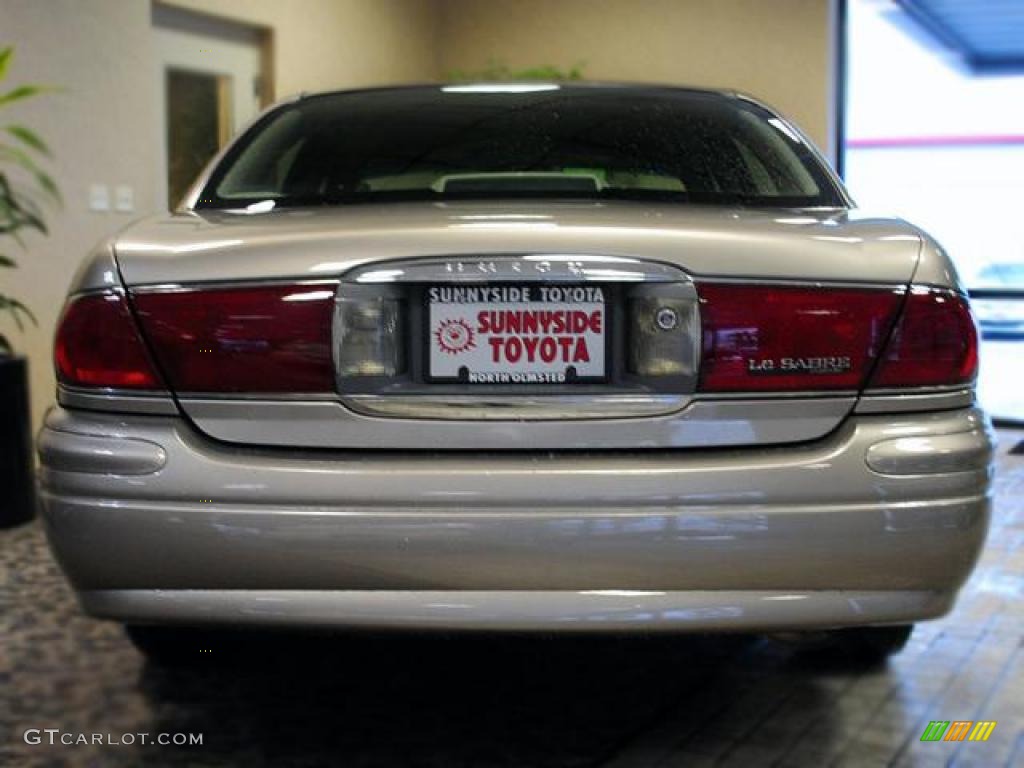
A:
442	701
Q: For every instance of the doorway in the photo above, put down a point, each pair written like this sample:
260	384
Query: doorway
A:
213	81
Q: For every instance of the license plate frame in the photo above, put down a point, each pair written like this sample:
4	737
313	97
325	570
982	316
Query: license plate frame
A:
453	323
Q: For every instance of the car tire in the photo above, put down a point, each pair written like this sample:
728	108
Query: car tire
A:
168	645
873	644
861	645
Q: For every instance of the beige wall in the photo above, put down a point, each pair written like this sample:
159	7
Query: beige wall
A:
778	50
103	127
321	44
100	128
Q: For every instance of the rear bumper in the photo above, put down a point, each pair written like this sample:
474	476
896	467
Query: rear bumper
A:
568	611
154	523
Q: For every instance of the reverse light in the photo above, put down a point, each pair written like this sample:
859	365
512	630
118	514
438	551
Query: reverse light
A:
661	332
97	345
368	334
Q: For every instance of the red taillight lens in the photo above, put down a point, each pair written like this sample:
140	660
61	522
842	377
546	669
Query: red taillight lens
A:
761	338
97	345
258	339
935	343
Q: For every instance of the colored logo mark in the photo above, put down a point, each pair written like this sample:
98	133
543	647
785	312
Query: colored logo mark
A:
958	730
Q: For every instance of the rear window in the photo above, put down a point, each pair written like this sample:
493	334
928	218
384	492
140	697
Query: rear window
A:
479	141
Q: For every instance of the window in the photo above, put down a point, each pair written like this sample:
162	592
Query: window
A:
932	138
556	141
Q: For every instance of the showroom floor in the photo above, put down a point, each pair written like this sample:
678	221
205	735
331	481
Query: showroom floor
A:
526	701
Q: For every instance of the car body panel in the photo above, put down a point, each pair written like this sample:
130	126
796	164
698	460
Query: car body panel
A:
823	246
310	243
698	424
523	610
697	511
221	517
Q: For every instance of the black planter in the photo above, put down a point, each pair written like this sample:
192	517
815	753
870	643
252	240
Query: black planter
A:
17	485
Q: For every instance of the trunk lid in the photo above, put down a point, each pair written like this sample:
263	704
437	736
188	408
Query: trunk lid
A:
638	256
211	246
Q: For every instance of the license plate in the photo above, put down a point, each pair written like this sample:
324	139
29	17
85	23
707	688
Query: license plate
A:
529	334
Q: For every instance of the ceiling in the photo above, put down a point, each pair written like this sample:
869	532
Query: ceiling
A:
988	34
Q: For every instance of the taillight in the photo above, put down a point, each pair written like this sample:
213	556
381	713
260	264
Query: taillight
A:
762	338
97	345
271	339
935	343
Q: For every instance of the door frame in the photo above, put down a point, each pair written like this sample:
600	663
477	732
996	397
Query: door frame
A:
167	16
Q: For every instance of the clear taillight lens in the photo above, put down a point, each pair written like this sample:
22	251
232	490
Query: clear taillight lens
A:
254	339
935	343
761	338
662	336
97	345
368	336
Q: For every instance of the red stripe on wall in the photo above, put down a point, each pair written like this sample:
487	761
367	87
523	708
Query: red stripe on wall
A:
920	142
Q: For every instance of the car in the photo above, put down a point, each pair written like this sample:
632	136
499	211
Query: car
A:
998	301
518	356
997	298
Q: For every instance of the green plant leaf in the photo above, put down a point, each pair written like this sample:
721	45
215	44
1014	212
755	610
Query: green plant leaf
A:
15	155
6	54
28	312
29	219
7	304
45	182
29	138
497	71
18	218
49	185
19	209
17	309
17	212
6	209
21	92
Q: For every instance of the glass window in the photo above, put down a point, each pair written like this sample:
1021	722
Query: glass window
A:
932	139
436	143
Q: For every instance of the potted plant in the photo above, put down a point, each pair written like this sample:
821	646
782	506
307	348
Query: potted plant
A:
497	71
23	184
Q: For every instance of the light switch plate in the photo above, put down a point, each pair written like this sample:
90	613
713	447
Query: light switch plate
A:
124	198
99	197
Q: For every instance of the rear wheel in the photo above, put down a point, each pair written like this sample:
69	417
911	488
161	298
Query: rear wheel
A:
864	645
170	645
874	643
